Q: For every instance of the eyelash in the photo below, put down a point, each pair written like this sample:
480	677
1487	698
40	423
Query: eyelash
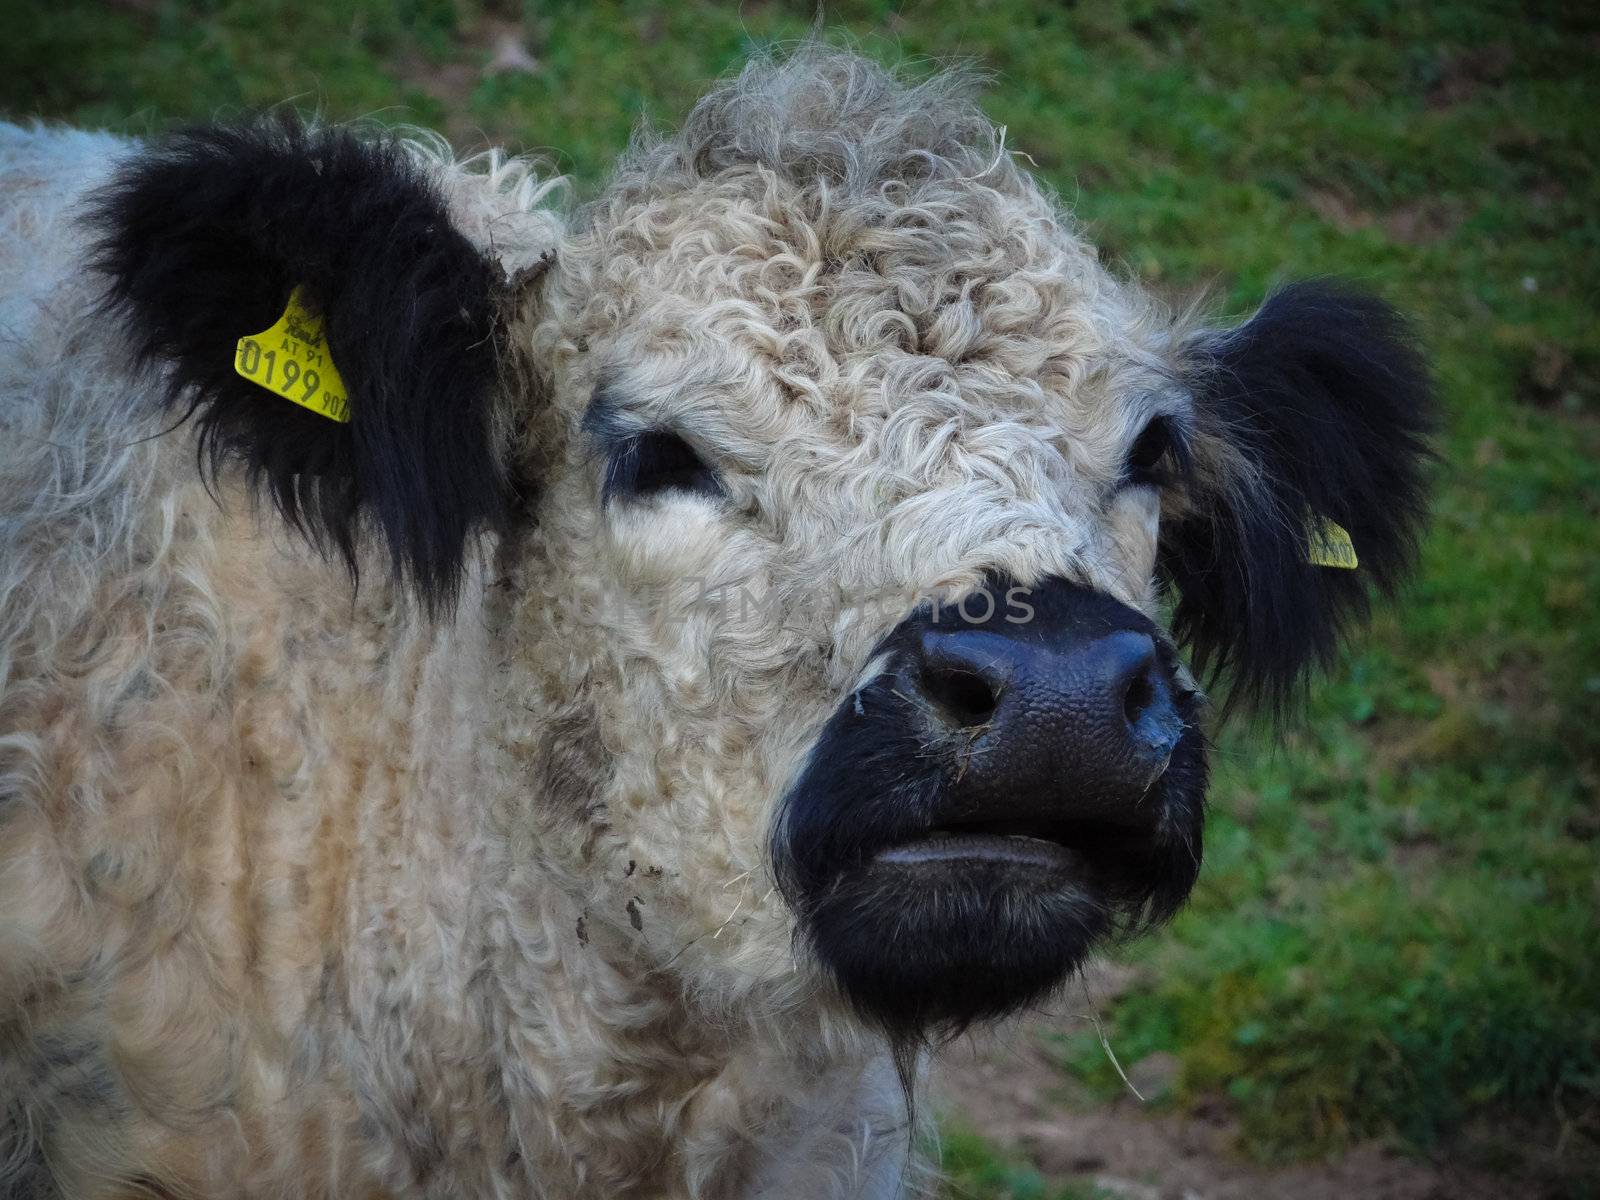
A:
1157	454
657	461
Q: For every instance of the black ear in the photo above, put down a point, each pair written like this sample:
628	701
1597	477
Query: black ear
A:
204	236
1318	408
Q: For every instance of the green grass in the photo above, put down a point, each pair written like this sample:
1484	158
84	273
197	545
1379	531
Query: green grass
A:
1396	932
974	1169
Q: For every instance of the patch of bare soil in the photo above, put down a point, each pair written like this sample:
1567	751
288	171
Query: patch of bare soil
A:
1416	223
1006	1088
487	46
1465	73
1557	379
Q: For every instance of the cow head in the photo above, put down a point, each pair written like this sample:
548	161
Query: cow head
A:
830	491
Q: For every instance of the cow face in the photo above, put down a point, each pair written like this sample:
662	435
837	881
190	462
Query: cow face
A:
837	490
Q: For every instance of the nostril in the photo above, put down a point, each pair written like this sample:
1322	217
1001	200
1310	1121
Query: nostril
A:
1137	699
964	695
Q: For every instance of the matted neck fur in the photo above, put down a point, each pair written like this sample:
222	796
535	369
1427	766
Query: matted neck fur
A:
646	796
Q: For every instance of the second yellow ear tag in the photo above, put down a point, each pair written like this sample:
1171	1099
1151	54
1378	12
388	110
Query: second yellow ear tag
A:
291	360
1329	545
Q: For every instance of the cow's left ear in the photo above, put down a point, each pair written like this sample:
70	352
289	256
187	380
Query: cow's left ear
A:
1313	421
205	236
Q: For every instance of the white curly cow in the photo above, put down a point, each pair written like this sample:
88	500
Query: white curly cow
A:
576	708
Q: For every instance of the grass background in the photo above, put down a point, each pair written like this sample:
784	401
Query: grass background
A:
1396	931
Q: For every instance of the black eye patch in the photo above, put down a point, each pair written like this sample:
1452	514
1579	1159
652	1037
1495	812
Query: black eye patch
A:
653	461
1158	455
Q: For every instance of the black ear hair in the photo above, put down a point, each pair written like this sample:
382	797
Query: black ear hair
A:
204	236
1317	408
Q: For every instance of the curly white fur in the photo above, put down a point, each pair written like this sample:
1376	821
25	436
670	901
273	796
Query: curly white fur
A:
301	895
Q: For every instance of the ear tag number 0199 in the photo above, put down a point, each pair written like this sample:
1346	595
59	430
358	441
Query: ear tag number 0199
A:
291	360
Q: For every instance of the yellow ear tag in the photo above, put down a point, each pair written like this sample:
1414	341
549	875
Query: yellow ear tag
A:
1329	545
291	360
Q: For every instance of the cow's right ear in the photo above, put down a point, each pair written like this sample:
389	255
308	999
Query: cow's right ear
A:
205	236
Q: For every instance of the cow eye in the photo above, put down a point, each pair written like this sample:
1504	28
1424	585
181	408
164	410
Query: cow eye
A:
658	461
1152	458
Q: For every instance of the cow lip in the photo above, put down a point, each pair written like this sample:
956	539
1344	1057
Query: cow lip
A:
978	844
965	846
1083	849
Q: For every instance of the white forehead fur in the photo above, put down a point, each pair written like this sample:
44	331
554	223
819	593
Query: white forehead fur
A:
897	348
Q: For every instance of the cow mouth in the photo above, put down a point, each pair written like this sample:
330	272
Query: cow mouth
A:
931	924
958	846
1074	853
